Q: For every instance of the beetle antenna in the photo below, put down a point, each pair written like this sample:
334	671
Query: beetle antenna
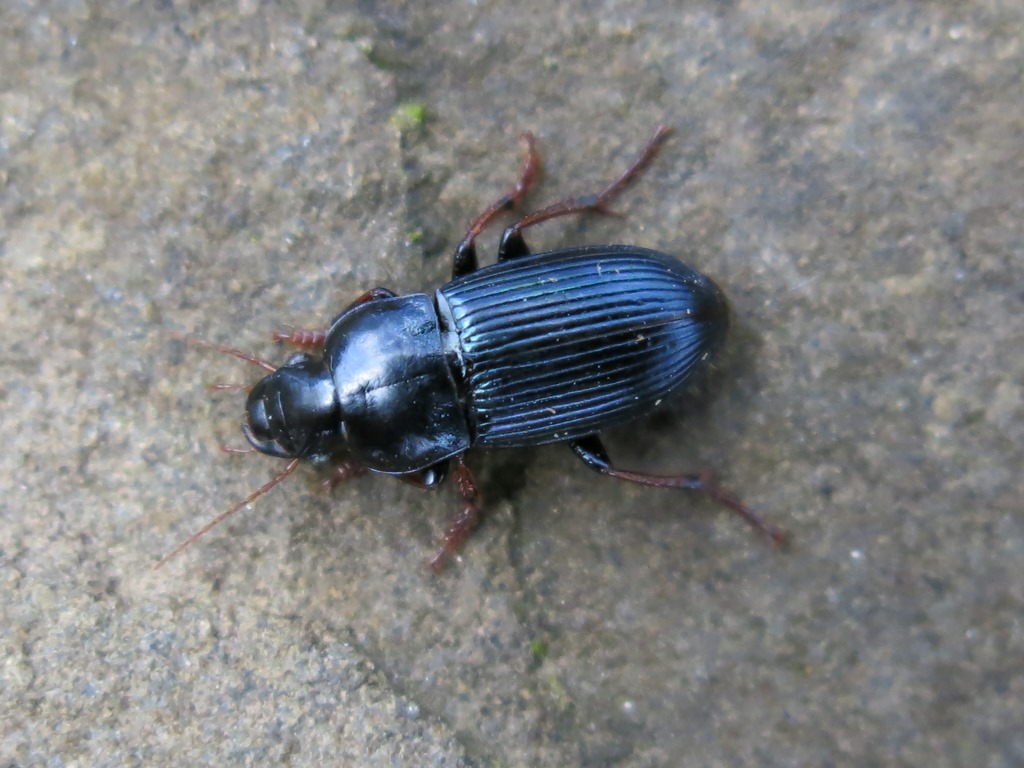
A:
227	513
193	341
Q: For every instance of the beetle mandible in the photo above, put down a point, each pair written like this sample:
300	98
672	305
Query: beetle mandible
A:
553	347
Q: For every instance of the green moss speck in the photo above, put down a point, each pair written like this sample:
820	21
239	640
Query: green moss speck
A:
408	116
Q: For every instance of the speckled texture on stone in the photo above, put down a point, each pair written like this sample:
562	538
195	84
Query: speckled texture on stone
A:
852	173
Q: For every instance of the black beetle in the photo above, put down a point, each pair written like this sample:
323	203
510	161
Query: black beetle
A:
535	349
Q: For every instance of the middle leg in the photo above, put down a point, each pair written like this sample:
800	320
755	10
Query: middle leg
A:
465	521
512	245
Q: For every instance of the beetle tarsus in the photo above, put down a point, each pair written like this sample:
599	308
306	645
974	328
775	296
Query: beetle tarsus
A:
705	483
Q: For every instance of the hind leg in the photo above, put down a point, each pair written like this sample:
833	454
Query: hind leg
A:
592	452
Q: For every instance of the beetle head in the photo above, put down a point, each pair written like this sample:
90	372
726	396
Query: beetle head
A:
293	413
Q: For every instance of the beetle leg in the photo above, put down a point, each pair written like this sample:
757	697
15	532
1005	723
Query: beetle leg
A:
592	452
374	294
341	473
465	521
314	340
512	244
465	260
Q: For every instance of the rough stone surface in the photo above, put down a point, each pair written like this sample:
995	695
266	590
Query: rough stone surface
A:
852	173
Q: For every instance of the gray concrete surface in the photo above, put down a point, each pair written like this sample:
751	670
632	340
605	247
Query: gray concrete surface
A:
853	174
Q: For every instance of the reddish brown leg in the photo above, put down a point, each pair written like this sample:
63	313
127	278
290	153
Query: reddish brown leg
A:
593	454
314	340
465	260
465	521
512	244
342	472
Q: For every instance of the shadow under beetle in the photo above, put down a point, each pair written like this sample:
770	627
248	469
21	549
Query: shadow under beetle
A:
538	348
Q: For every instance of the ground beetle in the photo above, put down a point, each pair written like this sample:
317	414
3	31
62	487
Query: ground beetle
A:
539	348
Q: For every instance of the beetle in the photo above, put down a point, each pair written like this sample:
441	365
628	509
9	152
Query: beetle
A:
553	347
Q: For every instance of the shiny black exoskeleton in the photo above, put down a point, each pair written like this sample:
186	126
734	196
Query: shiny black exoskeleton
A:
548	348
535	349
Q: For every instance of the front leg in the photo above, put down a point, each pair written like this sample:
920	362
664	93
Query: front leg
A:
341	473
310	340
592	452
